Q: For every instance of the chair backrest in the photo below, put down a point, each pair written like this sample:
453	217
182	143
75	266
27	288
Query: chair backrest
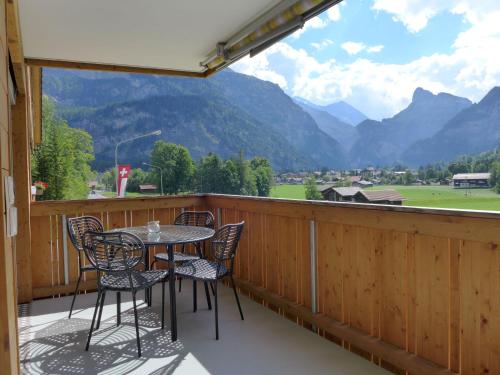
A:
113	251
225	242
196	219
77	226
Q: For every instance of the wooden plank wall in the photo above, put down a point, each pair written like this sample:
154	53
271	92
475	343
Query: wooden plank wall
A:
47	234
8	310
424	281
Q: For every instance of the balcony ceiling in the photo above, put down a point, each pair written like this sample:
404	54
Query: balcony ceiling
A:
160	34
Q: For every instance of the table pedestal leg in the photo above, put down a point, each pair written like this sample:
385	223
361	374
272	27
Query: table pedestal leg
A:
147	291
171	278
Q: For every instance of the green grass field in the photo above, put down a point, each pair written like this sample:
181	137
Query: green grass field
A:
420	196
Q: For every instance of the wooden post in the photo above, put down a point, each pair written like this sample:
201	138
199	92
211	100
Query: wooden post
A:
22	181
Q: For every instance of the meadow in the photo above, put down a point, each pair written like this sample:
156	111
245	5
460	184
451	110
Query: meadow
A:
420	196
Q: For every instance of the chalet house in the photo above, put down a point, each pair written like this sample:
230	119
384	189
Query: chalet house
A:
340	194
355	179
148	188
362	184
471	180
379	197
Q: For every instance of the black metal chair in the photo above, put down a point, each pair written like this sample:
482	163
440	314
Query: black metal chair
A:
223	245
115	256
197	219
193	218
77	226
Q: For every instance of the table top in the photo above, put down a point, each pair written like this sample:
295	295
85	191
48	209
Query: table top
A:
170	234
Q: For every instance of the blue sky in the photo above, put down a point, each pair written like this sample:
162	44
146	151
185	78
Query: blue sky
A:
374	53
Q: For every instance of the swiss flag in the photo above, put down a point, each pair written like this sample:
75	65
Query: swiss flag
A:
123	172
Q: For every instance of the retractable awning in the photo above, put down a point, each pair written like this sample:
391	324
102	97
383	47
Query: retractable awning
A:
188	37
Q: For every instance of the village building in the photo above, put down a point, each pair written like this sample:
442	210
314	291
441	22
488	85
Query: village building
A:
379	197
471	180
148	188
362	184
340	194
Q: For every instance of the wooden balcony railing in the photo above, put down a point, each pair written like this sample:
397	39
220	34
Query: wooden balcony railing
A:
416	288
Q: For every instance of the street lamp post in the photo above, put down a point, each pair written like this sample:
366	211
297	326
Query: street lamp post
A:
156	132
161	174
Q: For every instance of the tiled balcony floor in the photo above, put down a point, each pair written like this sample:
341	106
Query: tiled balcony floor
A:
264	343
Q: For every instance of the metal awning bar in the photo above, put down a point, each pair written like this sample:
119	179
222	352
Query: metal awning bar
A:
275	29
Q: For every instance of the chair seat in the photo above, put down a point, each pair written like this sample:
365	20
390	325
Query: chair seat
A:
140	279
178	257
115	264
201	269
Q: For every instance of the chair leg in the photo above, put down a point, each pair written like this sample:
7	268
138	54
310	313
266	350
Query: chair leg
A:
118	308
163	304
136	326
93	321
207	293
216	312
100	311
180	284
237	299
195	296
74	295
212	287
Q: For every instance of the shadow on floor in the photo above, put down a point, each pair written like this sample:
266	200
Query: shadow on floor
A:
58	348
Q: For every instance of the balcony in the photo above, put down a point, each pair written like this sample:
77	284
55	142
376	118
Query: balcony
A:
408	289
264	343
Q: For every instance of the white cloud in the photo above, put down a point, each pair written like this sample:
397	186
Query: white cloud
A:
313	23
353	48
415	14
375	49
322	44
380	90
333	13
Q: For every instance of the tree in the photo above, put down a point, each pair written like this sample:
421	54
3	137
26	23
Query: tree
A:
495	177
177	166
247	185
137	177
63	158
108	179
263	175
312	192
209	174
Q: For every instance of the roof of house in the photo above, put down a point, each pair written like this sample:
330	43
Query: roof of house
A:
382	195
472	176
347	191
355	178
148	187
363	182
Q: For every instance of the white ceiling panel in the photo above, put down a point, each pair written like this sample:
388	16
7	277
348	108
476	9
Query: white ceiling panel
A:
161	34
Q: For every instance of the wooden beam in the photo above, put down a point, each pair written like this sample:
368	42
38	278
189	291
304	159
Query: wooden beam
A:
390	353
14	41
36	102
22	180
46	63
47	208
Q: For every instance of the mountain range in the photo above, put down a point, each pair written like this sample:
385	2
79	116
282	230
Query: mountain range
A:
225	114
232	112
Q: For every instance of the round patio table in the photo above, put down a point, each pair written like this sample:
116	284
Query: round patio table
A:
170	235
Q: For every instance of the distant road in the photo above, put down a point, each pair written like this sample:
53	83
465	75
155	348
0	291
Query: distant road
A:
95	195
